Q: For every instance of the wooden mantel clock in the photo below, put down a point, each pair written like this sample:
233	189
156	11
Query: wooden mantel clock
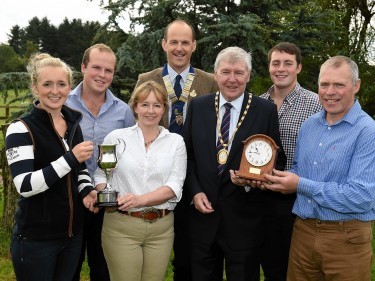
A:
258	157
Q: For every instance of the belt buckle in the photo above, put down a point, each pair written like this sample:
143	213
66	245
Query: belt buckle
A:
150	210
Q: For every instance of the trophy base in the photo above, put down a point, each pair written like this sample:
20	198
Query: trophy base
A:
106	204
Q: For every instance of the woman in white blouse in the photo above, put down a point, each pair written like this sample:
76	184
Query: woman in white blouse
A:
137	238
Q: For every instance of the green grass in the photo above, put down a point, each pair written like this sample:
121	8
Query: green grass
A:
6	267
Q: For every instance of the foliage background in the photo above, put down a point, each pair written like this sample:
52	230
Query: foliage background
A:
321	28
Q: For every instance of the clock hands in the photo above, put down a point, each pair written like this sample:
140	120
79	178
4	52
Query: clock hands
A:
255	152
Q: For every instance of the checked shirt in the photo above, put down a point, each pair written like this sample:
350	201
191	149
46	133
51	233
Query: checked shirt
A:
296	108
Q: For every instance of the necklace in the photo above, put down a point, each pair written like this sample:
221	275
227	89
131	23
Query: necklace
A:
185	91
151	141
222	155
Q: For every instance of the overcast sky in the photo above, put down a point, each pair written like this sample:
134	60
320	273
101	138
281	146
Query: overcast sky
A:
20	12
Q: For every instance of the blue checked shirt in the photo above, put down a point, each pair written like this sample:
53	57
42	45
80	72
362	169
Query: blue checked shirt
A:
296	108
114	114
336	165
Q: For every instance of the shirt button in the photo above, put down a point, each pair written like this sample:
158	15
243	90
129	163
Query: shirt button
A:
309	201
315	163
329	128
320	144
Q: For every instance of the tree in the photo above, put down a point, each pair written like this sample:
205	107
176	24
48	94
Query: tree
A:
16	39
40	33
321	28
356	17
48	36
9	60
74	37
251	25
68	41
32	32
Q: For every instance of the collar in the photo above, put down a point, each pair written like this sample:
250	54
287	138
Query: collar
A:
290	98
350	117
237	103
69	114
137	129
109	96
172	73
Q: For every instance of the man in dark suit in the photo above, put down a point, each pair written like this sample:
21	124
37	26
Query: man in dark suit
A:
225	219
179	44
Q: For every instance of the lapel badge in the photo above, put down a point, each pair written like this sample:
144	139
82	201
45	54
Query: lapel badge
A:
193	94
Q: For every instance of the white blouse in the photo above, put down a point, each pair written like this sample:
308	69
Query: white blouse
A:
140	171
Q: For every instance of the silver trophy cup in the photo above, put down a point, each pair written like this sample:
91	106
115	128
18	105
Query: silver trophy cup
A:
107	161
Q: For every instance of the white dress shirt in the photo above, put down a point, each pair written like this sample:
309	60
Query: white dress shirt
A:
140	171
234	115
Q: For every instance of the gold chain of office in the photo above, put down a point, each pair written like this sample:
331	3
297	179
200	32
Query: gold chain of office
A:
222	155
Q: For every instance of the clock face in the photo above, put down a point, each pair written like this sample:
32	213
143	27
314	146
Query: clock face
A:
258	152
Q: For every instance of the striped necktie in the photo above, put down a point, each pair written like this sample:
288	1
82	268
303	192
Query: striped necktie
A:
177	107
224	129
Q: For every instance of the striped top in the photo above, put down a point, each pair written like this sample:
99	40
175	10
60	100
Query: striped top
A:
20	155
336	165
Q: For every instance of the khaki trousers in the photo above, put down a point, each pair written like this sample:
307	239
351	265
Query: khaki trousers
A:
330	251
136	250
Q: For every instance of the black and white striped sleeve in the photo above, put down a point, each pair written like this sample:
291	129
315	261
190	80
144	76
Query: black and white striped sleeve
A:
20	156
84	183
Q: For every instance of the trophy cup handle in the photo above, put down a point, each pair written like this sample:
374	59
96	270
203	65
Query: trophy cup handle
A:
122	141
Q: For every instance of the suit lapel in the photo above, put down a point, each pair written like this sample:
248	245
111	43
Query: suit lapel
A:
210	129
194	85
159	79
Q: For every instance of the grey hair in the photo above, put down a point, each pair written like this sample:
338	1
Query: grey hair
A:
233	55
337	61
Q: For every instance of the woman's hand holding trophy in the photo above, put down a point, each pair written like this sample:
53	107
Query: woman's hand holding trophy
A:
107	197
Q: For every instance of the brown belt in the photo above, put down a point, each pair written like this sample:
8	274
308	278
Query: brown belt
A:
349	223
148	215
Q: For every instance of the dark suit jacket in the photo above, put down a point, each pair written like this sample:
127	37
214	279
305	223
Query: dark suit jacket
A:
238	212
204	83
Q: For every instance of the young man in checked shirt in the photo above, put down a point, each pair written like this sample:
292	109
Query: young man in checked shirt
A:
294	104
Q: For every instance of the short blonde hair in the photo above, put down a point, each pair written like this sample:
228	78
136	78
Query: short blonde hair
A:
102	48
143	90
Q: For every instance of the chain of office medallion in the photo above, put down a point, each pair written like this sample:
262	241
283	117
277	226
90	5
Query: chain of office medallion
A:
238	124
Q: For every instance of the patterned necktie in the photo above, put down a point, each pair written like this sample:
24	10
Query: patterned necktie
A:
176	123
224	129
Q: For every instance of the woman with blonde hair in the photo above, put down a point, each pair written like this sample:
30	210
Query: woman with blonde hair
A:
46	156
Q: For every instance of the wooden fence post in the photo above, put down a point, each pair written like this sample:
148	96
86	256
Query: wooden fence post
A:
9	192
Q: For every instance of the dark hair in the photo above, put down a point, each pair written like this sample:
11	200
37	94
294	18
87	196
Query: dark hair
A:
286	47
